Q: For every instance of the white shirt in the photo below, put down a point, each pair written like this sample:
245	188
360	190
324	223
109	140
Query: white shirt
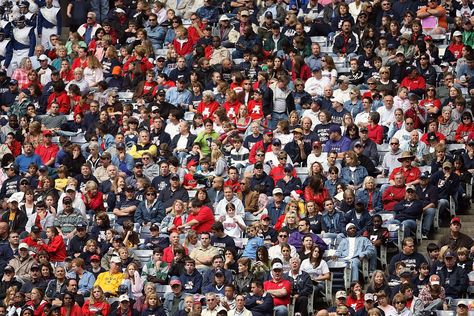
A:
275	252
307	266
387	116
315	87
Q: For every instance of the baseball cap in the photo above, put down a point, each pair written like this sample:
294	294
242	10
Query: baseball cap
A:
116	70
343	78
42	57
119	10
434	282
219	272
276	142
269	15
264	217
244	13
23	245
115	259
268	131
174	176
154	226
337	99
462	303
444	64
410	187
258	165
424	175
341	294
9	268
81	226
95	257
357	144
363	129
298	130
400	52
129	188
24	180
455	220
13	82
35	229
224	18
161	92
106	155
120	146
369	297
335	129
70	188
428	38
316	144
316	68
277	266
457	33
124	297
449	254
447	164
405	271
175	281
35	265
139	164
288	167
277	191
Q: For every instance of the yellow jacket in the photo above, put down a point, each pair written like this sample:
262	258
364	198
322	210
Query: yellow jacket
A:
109	282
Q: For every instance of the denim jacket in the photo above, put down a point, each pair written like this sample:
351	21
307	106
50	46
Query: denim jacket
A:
363	195
335	223
356	178
152	214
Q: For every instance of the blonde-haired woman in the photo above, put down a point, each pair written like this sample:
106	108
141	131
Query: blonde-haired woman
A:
175	218
370	195
93	72
133	282
218	161
96	304
153	306
20	74
35	136
93	199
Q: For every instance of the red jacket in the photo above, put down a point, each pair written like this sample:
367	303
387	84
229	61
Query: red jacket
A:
183	49
463	131
38	309
424	138
414	84
103	307
62	99
168	254
391	196
317	198
411	174
305	73
145	64
56	248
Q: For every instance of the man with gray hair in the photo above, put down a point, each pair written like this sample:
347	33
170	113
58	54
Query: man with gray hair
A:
302	284
212	305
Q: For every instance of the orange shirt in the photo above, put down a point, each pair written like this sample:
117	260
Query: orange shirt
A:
442	22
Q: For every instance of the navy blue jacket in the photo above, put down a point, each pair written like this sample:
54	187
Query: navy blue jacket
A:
264	309
192	283
408	210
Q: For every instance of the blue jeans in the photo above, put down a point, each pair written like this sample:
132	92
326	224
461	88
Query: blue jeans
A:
428	218
356	264
277	117
443	205
281	310
409	226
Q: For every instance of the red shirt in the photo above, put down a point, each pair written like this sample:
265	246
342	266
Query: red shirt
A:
168	254
189	180
272	285
424	138
412	84
411	174
255	109
205	217
235	185
56	249
62	99
47	152
392	196
375	133
79	63
231	108
207	109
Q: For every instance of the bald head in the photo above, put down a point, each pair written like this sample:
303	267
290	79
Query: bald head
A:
322	312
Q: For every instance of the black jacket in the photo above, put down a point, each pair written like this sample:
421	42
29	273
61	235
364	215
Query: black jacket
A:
455	282
189	144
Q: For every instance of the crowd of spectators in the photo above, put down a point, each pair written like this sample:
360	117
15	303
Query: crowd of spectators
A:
245	147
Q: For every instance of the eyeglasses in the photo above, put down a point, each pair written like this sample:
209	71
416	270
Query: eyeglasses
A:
151	20
282	158
259	155
150	194
384	72
400	302
211	299
394	144
371	83
283	236
146	158
408	123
